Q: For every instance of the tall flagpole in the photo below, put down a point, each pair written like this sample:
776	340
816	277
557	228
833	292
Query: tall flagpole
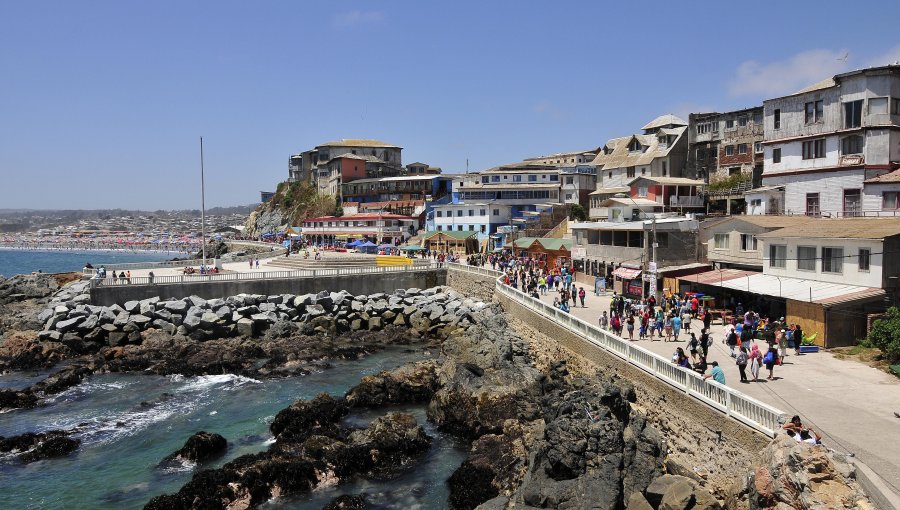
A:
202	205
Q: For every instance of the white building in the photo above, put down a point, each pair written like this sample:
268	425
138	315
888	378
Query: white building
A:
660	152
484	218
826	141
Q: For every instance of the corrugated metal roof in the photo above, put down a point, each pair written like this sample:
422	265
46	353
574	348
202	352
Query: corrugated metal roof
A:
676	181
664	120
611	191
629	201
888	177
622	157
626	273
827	83
716	276
801	290
843	228
359	142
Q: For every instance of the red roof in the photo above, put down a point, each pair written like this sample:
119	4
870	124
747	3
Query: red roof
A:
715	276
362	216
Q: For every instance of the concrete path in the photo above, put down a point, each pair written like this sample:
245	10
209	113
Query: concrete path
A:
850	404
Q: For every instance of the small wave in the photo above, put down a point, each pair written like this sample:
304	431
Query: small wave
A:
203	382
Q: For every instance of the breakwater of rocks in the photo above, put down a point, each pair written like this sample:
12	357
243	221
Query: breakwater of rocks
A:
87	328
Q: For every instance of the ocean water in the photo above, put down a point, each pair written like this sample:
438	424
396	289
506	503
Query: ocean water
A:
13	262
131	422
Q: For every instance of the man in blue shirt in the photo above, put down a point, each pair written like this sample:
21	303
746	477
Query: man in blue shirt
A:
716	373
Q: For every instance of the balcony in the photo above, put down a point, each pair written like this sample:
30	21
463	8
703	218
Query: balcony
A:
686	201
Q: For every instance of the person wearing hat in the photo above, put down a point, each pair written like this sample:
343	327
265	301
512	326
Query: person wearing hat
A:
716	373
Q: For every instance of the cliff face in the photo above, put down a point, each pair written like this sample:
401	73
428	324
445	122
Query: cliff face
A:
293	202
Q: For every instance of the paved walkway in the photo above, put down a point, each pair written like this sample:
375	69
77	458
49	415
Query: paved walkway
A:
850	404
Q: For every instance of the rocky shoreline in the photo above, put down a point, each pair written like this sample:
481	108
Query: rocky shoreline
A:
546	429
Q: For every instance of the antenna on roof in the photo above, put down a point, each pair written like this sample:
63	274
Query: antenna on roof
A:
467	165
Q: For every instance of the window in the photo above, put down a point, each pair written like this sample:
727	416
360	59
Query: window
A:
757	147
776	117
729	150
832	260
440	228
720	241
629	172
634	146
776	155
485	179
814	111
895	106
890	200
610	174
517	178
482	212
852	145
865	256
729	124
642	191
814	149
459	228
878	105
440	214
735	170
570	180
777	255
757	117
853	114
742	148
743	120
532	178
662	239
748	242
852	202
459	212
812	204
756	202
665	169
806	258
471	212
495	178
644	171
701	154
496	212
482	229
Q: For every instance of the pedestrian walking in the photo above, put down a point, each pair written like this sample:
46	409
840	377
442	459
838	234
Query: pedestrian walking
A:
770	359
604	320
257	263
251	262
741	362
581	295
755	359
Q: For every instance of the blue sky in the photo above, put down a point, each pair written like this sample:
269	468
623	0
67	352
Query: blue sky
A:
102	103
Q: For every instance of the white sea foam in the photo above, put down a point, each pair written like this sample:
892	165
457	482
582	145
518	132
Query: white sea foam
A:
203	382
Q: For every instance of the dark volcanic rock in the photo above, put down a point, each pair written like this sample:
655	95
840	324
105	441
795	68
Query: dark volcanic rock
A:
32	446
200	447
312	449
470	485
55	383
411	383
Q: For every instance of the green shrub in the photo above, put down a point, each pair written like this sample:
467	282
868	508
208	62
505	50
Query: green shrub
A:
885	335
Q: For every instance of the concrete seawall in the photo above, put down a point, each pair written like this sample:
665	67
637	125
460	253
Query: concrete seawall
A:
354	284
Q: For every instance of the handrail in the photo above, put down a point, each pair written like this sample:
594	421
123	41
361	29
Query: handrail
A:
267	275
734	404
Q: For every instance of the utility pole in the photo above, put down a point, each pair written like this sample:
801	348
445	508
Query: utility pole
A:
653	267
202	205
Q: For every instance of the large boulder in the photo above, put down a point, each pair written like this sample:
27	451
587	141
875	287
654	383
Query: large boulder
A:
200	447
411	383
801	475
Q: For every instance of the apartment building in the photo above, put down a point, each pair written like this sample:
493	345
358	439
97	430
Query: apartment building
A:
828	144
722	145
383	189
732	242
333	163
486	219
661	151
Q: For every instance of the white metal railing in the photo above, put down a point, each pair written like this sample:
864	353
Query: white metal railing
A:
267	275
277	250
755	414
